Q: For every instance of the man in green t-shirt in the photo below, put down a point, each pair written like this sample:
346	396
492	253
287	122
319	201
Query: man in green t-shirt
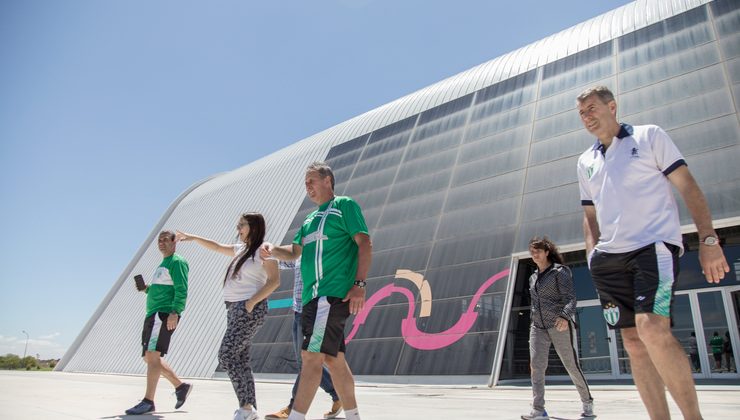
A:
335	250
716	343
165	301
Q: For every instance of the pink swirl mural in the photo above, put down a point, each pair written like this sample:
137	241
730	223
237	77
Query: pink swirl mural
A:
411	333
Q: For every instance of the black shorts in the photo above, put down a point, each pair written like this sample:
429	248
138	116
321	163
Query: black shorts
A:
155	336
640	281
323	325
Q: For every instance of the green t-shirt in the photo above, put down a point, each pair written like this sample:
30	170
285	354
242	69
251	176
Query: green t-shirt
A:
169	287
716	342
329	256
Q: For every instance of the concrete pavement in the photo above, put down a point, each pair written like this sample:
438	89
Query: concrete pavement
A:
57	395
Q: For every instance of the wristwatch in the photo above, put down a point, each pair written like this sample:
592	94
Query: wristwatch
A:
360	283
710	240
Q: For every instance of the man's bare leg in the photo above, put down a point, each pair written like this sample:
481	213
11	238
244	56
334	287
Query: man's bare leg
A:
671	362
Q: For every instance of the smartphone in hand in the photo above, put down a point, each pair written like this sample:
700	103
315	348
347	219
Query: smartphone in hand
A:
140	285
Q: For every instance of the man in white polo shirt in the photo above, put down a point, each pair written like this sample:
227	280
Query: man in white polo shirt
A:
633	241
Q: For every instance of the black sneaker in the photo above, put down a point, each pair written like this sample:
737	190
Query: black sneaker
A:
182	392
144	407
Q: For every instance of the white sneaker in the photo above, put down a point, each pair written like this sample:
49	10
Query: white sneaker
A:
242	414
536	415
588	409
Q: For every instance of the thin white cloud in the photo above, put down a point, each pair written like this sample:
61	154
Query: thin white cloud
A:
50	336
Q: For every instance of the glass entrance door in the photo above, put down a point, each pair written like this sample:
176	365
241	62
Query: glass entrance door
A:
593	340
719	332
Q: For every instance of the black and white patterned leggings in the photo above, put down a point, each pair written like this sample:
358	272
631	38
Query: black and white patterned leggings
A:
234	354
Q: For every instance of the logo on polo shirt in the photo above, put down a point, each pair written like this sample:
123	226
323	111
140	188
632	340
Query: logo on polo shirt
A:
635	153
611	314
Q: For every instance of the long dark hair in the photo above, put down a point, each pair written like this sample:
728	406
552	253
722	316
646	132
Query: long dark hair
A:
255	238
546	244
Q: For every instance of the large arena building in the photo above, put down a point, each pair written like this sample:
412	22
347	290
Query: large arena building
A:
454	180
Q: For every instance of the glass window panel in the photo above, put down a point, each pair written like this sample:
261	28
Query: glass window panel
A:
689	111
479	219
497	143
552	174
387	145
728	24
506	86
419	167
373	166
580	76
359	185
564	101
466	280
433	145
393	129
446	313
348	146
422	185
371	218
665	46
383	321
413	258
417	208
268	333
551	202
672	90
446	109
342	175
504	103
665	27
471	355
730	46
722	7
707	135
485	191
721	198
680	63
716	166
577	60
345	160
439	126
418	231
565	229
372	199
472	248
499	123
374	357
571	144
556	125
733	68
274	358
492	166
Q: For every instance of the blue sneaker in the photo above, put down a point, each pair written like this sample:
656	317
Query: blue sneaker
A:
144	407
182	392
536	415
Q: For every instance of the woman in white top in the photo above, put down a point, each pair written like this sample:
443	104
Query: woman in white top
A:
248	282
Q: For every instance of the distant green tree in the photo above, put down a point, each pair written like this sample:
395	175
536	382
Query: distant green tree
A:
29	362
10	361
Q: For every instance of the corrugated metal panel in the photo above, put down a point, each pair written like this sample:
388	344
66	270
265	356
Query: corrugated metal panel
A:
274	186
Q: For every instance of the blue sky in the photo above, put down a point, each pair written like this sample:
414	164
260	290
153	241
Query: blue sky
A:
109	110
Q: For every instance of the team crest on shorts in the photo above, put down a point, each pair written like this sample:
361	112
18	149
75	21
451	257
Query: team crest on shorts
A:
611	314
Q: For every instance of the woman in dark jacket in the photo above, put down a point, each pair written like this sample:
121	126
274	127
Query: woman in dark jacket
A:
553	323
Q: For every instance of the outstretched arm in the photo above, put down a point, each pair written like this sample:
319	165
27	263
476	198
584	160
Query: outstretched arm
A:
225	249
283	253
712	259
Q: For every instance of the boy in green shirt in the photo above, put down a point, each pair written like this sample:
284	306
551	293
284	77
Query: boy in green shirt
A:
165	301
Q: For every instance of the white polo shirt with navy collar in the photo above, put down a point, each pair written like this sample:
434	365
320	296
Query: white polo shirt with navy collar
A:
628	184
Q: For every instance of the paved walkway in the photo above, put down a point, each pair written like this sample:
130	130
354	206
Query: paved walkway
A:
57	395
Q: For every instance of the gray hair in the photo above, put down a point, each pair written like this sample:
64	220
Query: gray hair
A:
169	233
602	92
322	169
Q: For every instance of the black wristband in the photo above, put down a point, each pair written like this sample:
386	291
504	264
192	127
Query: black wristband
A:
360	283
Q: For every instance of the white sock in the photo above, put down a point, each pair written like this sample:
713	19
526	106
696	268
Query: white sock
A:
295	415
353	414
